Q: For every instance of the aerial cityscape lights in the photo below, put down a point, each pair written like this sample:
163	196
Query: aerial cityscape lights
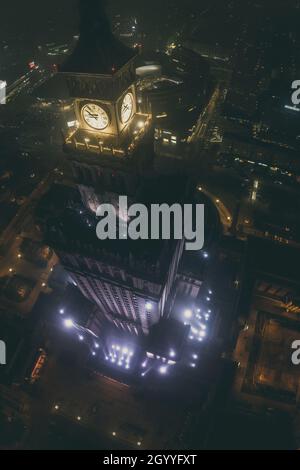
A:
120	356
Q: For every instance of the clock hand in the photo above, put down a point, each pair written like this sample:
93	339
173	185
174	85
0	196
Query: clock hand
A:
95	116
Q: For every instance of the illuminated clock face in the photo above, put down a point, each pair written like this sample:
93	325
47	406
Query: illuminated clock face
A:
127	108
95	116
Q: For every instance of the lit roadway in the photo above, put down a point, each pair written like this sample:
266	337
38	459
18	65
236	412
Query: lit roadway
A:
225	215
205	118
31	79
25	211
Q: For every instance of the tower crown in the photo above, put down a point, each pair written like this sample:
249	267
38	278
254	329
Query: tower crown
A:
98	51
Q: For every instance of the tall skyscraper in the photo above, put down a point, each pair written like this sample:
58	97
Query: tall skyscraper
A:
106	144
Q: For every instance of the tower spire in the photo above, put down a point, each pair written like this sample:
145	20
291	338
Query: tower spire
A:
93	19
98	51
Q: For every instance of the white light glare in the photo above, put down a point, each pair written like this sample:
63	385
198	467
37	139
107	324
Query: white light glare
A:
69	323
172	353
188	313
163	370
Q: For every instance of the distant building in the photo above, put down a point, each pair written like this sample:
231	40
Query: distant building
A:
266	376
131	282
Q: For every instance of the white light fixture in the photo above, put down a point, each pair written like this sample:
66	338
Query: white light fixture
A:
188	313
163	370
69	323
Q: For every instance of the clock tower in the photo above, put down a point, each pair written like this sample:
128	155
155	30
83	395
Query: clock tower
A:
100	78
